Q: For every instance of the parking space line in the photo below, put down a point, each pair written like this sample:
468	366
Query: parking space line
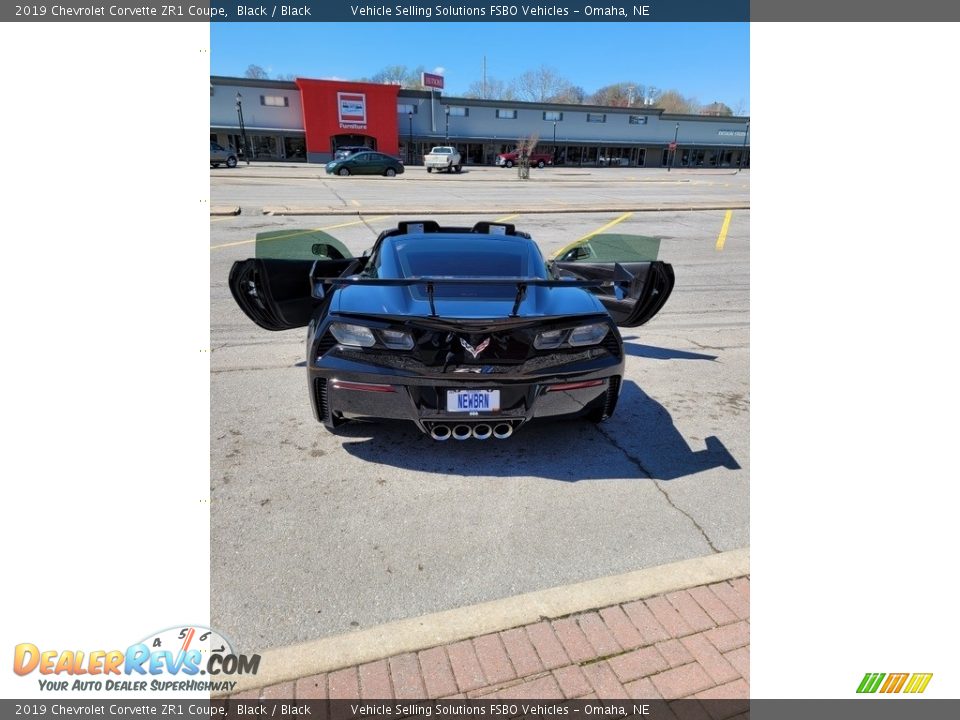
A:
722	237
605	227
301	232
507	217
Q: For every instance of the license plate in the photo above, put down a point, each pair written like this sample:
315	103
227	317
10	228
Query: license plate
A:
473	401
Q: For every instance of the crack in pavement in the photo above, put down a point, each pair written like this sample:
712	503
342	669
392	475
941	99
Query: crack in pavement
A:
327	186
656	483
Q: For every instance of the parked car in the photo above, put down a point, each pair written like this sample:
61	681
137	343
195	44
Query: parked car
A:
366	163
613	161
443	157
347	150
509	159
220	155
465	331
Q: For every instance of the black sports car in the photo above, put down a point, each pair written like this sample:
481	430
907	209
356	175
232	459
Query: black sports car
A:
467	332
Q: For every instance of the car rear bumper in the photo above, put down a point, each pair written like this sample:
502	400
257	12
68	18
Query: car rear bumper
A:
344	391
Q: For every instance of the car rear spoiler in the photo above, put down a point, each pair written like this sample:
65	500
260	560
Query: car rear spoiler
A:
521	283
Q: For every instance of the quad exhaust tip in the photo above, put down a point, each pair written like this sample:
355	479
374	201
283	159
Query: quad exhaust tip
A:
440	432
480	431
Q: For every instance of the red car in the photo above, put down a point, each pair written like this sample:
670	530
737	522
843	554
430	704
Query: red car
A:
508	160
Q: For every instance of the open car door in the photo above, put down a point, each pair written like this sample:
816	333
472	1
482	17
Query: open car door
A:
641	283
282	287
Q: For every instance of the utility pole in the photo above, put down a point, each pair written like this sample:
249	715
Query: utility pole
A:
484	95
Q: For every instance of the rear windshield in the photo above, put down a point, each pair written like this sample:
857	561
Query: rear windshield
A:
442	150
467	257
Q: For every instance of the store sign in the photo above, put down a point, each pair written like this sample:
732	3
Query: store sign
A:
737	133
353	110
432	81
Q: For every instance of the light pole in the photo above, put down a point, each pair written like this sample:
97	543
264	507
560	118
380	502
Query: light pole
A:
676	134
554	142
743	150
447	132
243	131
410	138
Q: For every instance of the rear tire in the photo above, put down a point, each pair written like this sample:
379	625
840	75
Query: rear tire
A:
429	169
231	162
215	165
540	164
390	172
458	168
343	172
508	164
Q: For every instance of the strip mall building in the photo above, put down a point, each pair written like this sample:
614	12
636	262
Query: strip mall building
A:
306	120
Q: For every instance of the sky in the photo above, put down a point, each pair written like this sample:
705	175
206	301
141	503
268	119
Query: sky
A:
708	61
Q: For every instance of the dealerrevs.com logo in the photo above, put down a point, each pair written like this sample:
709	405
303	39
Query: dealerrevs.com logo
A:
171	660
910	683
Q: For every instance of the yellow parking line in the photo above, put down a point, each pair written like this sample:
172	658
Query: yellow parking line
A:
589	235
355	203
605	227
301	232
507	217
722	237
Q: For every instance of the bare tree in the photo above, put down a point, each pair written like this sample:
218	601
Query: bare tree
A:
717	108
493	90
541	85
391	75
571	95
672	101
256	72
525	147
621	94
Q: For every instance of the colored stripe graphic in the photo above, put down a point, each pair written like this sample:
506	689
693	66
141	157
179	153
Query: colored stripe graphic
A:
870	682
894	682
918	682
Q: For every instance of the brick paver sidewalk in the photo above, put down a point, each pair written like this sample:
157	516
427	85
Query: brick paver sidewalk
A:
690	643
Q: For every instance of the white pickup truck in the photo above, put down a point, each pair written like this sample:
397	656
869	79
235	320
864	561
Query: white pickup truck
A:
443	157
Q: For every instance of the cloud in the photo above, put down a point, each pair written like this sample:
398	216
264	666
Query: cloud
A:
439	70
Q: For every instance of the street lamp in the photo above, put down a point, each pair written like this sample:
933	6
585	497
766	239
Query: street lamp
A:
743	150
243	131
676	134
554	142
447	133
410	138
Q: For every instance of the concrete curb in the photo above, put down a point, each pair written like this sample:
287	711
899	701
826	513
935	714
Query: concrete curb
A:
224	210
375	643
427	211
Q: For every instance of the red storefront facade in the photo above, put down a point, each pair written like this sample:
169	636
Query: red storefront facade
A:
339	113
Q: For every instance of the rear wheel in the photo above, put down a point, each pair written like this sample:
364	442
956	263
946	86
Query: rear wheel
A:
231	162
429	169
215	165
458	168
508	164
390	172
343	172
540	164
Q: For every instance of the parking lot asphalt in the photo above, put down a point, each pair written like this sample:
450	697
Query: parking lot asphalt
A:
314	534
